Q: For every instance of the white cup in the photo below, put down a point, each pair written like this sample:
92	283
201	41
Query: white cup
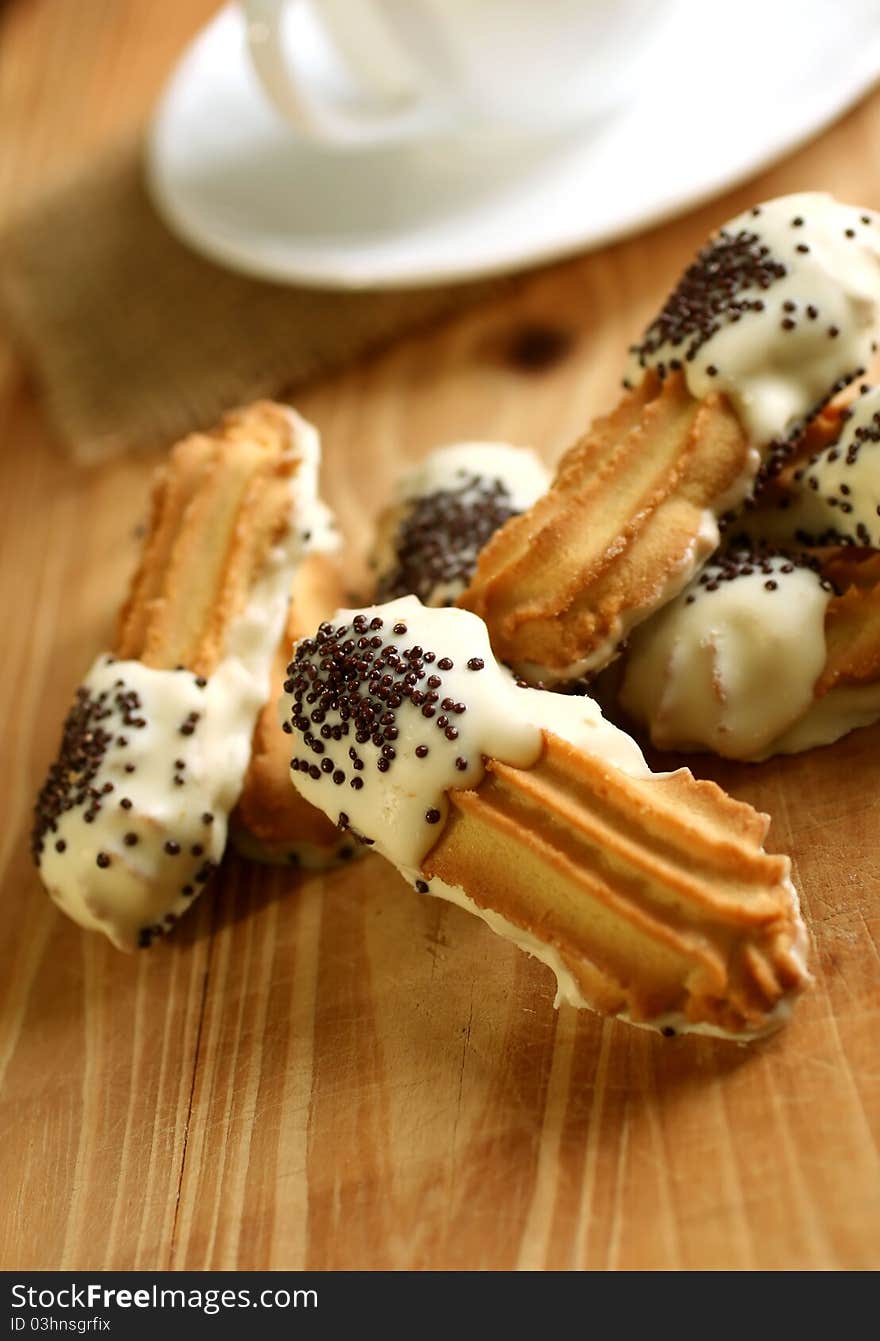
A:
374	72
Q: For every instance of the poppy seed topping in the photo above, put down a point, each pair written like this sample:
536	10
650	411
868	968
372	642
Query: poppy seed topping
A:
118	834
835	498
778	311
347	696
446	509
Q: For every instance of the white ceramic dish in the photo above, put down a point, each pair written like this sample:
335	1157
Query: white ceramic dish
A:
719	101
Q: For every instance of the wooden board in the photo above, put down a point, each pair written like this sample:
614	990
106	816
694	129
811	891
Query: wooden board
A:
333	1072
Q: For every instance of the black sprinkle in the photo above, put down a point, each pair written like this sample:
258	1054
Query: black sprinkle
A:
711	293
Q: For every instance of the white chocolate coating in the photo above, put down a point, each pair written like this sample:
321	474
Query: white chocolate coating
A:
732	670
314	528
142	889
502	721
838	712
143	885
459	478
793	326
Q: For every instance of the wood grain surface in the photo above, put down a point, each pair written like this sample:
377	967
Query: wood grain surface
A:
332	1072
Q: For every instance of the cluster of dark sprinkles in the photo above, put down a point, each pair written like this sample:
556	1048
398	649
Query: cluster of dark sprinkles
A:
92	727
745	560
807	476
777	455
780	452
98	724
840	385
438	541
859	538
352	672
709	296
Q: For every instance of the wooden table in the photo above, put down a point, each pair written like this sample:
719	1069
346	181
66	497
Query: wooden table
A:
332	1072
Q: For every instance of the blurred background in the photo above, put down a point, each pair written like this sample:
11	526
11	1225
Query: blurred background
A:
171	242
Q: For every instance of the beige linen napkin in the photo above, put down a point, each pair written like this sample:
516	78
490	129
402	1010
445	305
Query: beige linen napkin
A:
135	339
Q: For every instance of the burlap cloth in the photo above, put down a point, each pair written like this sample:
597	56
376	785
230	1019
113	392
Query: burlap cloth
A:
135	339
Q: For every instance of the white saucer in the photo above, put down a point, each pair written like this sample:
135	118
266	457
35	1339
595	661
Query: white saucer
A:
719	101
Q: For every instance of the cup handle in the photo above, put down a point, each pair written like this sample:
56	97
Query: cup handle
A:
387	79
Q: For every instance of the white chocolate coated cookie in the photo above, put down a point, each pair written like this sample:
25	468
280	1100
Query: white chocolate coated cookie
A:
779	310
444	511
734	665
